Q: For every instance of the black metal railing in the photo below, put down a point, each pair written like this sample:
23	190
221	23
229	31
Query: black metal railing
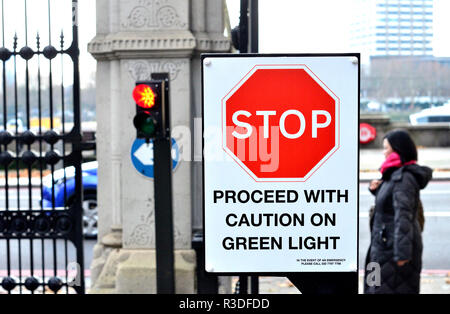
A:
40	242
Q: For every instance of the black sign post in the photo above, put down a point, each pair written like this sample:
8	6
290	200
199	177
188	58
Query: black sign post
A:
163	216
248	42
162	148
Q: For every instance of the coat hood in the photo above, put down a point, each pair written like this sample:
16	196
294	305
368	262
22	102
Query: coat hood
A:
422	174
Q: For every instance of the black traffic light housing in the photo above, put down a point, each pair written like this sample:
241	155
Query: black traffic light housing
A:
152	118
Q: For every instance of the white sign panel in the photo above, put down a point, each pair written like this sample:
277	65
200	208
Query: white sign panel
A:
281	163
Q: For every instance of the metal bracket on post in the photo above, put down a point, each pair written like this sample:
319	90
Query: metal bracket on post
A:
243	27
253	31
162	147
247	39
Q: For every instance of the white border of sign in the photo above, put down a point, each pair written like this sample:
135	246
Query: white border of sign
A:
218	173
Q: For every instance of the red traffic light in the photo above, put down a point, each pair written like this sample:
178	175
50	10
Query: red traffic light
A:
144	96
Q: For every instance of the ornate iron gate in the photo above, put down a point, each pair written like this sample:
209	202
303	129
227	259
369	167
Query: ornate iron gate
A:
41	245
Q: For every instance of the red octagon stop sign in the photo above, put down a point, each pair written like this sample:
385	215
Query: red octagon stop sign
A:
280	123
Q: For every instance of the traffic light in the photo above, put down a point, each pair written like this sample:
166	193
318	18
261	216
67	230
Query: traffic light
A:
150	109
152	122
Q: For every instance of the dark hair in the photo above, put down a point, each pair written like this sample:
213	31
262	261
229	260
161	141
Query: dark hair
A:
402	144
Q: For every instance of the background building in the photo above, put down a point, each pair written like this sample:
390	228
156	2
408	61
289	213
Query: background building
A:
392	28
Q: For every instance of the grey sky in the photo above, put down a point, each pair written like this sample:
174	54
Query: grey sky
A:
323	25
285	26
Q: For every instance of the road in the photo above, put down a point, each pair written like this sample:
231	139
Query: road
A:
436	237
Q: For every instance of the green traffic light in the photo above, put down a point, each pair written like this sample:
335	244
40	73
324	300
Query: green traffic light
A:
148	126
145	124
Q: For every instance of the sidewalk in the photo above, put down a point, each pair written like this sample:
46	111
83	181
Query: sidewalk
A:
431	283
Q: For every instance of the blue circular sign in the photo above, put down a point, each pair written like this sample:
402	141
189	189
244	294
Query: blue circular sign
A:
142	157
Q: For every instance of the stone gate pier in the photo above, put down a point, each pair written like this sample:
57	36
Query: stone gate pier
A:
136	38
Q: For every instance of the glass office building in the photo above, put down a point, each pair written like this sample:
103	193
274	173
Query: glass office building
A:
393	28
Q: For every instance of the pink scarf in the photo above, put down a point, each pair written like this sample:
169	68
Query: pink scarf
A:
394	161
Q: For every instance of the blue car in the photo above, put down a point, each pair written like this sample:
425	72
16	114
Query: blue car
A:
90	212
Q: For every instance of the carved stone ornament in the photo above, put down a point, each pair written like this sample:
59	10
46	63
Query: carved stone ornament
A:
143	234
153	14
141	70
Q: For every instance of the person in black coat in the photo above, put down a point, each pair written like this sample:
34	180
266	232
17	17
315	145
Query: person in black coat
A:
396	241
